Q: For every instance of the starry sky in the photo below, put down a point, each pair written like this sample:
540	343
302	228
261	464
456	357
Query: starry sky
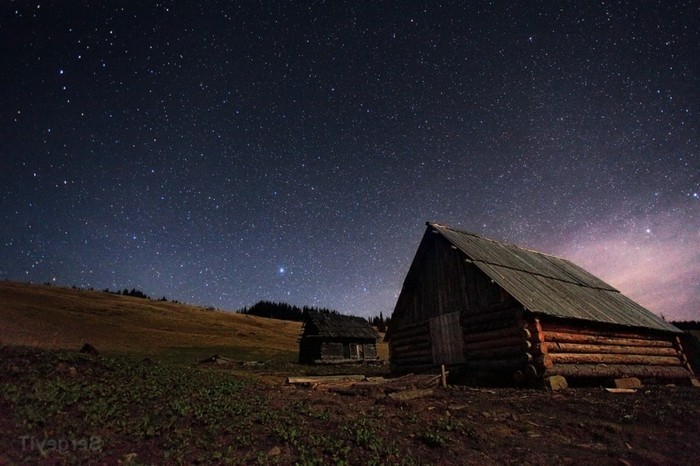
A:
221	152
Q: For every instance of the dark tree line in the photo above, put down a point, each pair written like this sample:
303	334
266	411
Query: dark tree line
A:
284	311
687	324
379	322
281	311
133	293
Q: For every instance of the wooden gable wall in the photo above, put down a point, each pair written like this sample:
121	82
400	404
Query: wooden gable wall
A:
441	281
442	285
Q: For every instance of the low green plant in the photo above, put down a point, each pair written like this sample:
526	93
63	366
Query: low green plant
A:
433	438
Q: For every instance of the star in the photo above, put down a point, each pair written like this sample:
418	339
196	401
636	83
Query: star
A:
314	151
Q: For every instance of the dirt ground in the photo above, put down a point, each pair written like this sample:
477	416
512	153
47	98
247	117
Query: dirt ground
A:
67	408
656	425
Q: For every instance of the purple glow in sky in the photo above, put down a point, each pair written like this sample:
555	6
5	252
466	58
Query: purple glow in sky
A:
654	259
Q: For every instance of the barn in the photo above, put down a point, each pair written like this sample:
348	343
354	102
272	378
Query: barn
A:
483	307
335	338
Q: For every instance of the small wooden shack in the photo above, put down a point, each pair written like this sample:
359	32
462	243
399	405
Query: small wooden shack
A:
335	338
482	306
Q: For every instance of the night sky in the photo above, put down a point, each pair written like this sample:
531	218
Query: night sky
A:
220	153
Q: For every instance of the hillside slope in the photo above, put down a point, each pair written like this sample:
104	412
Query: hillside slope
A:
52	317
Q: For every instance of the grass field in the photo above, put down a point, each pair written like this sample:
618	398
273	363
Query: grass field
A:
52	317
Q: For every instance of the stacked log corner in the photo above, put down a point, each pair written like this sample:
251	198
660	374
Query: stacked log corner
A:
497	340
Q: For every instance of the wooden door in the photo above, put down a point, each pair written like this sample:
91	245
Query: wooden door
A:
357	351
446	339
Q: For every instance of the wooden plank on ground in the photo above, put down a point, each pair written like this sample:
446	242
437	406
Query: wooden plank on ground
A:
317	379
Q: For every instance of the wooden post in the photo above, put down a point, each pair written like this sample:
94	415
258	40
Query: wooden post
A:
685	361
537	332
443	377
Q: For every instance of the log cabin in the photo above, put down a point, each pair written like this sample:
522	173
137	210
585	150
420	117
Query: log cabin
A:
335	338
480	306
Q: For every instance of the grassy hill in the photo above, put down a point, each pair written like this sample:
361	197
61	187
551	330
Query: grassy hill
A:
53	317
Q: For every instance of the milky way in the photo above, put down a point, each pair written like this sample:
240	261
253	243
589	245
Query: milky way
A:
225	153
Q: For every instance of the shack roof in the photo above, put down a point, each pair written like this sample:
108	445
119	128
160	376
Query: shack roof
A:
551	285
327	325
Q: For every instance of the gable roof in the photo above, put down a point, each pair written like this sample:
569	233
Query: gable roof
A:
321	324
551	285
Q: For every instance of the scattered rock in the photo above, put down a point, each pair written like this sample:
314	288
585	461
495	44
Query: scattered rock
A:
555	382
73	372
253	363
216	359
274	451
627	382
129	458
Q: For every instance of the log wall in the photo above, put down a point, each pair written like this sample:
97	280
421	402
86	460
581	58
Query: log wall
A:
410	349
319	350
497	339
333	350
565	349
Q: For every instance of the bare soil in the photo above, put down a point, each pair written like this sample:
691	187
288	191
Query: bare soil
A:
59	407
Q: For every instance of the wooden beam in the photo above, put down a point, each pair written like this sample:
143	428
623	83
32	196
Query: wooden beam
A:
411	332
506	315
562	337
493	325
556	347
618	370
324	379
522	333
497	353
496	343
615	333
421	343
627	359
499	364
412	354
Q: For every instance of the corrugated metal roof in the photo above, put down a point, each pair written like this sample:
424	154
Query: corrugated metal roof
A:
551	285
338	326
